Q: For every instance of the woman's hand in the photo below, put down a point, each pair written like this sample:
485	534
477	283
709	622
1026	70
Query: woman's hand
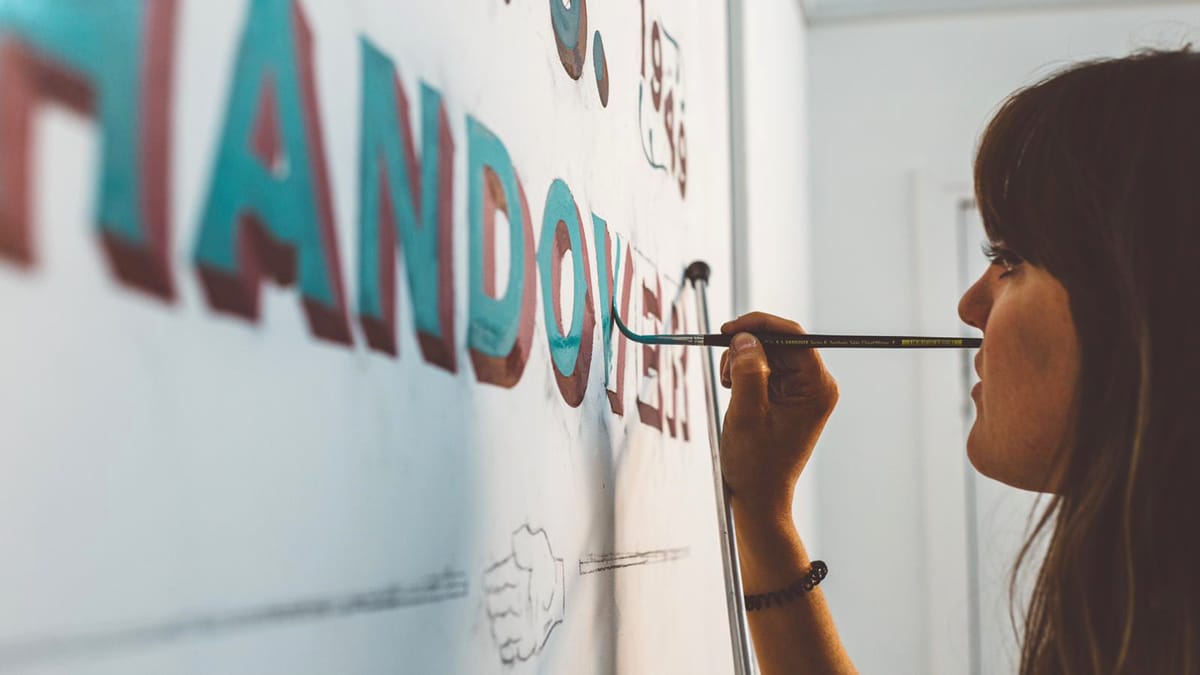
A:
780	401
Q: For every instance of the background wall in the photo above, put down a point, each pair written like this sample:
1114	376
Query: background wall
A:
894	104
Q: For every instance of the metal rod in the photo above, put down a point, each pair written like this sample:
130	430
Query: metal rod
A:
697	273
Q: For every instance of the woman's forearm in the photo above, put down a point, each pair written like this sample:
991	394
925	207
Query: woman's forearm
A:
797	637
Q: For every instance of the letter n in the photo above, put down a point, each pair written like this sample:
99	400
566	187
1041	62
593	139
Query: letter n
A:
408	205
269	210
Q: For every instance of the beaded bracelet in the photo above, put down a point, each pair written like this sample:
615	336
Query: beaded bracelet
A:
816	573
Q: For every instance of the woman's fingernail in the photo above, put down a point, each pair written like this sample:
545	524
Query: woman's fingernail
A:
743	341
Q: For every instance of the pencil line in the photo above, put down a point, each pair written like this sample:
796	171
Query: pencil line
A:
434	588
591	564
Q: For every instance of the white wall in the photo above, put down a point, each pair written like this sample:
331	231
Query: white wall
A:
775	252
185	490
891	100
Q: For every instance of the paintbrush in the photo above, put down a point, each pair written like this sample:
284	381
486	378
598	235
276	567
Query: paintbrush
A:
807	340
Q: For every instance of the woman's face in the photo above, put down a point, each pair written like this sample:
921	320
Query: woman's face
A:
1028	367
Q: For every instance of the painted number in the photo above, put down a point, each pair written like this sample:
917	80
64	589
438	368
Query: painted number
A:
662	102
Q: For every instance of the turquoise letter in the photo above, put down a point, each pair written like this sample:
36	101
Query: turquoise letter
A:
570	347
501	322
561	208
493	185
112	59
389	200
269	209
610	279
605	276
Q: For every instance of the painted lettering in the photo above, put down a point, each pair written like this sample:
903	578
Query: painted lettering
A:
676	368
609	256
408	205
500	330
121	75
570	346
650	411
269	210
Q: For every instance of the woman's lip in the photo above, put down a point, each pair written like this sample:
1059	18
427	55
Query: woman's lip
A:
976	388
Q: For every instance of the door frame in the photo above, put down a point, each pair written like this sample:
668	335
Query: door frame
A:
948	496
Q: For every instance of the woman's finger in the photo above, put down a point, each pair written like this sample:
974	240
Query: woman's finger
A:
781	358
750	375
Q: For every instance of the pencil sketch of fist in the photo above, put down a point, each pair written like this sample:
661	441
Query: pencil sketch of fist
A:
525	595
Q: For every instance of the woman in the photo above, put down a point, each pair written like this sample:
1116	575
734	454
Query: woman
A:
1089	187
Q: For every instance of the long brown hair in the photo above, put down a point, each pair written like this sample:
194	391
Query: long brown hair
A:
1094	175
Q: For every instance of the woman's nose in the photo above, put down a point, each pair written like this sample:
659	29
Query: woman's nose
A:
974	305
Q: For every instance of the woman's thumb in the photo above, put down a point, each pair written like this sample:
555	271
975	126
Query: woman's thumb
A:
748	374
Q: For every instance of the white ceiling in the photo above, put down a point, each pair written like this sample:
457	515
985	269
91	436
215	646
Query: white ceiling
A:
835	10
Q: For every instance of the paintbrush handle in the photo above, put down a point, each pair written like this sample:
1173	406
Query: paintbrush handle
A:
862	341
789	340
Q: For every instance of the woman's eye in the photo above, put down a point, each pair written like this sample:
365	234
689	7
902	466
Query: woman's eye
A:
998	255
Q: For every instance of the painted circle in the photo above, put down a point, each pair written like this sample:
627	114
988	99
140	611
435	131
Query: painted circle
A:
601	64
570	34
